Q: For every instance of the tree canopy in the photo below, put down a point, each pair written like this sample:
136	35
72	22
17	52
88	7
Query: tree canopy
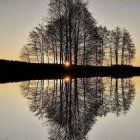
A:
69	33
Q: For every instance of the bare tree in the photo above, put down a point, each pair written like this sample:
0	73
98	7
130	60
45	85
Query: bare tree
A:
116	41
70	33
25	54
103	44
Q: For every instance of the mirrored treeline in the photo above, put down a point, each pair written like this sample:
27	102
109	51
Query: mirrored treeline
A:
71	106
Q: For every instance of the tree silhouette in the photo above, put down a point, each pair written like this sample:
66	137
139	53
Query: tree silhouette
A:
25	54
71	106
122	48
70	34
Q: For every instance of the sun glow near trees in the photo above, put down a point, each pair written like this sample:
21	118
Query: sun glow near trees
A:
69	35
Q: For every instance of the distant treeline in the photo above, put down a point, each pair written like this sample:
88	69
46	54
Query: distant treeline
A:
70	33
14	71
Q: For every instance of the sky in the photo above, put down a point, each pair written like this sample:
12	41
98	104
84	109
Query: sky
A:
19	17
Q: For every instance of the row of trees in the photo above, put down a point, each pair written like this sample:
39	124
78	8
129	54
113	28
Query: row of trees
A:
70	33
72	107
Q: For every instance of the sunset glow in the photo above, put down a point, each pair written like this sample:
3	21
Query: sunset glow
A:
69	69
14	36
67	79
67	64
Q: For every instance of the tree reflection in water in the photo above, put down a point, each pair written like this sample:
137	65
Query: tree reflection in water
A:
71	106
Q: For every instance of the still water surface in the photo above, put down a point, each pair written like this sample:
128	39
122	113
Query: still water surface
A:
91	109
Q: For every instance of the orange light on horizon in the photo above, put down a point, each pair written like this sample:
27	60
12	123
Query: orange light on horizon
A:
67	64
67	79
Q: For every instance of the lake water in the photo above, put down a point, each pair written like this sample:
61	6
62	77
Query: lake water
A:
71	109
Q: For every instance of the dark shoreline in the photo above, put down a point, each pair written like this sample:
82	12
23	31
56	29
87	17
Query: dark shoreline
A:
15	71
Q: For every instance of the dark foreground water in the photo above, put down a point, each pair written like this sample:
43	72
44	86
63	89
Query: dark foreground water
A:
88	109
